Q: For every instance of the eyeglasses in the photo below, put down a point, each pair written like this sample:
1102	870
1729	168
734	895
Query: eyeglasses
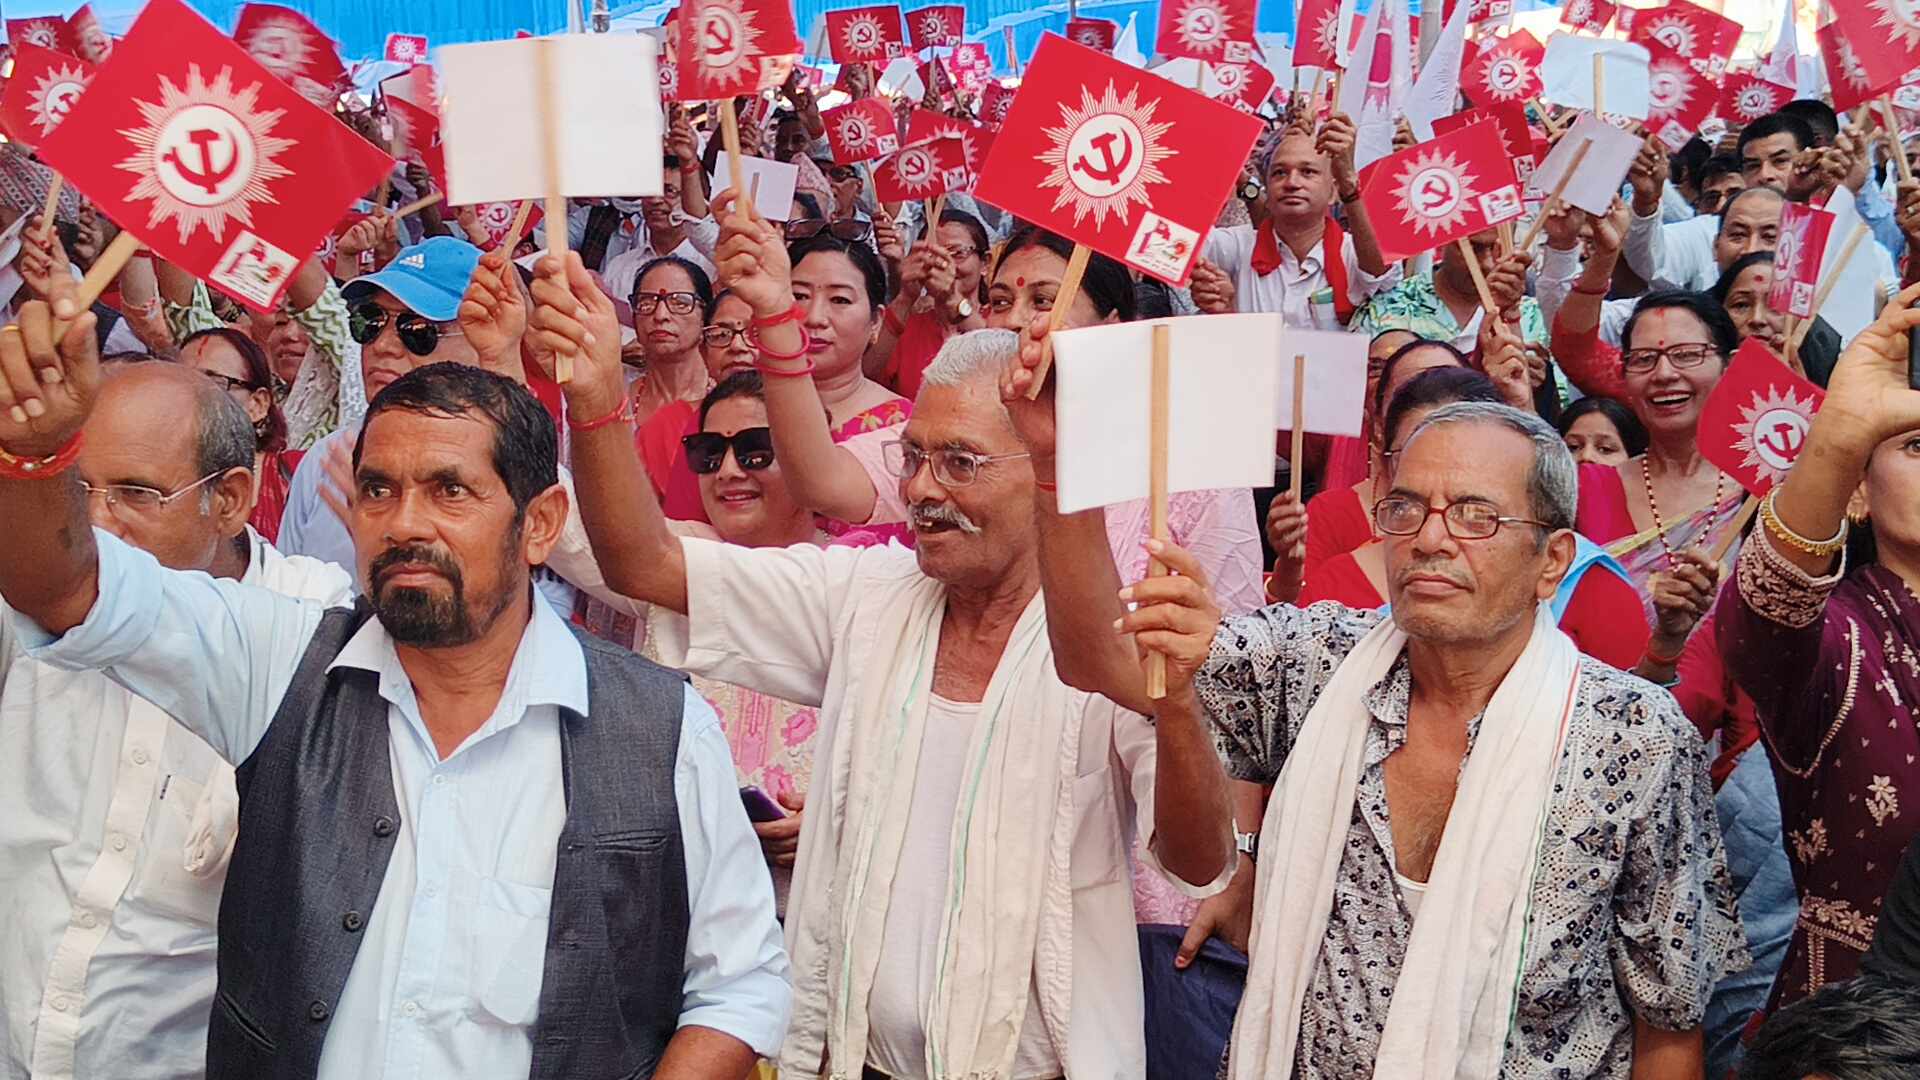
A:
961	251
1641	361
139	500
840	174
230	383
720	336
954	468
418	333
706	450
848	231
680	303
1403	515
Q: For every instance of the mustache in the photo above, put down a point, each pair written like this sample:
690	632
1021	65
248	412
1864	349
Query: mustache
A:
415	555
1431	568
927	514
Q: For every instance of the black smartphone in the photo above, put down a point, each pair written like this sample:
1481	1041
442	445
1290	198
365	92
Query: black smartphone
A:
760	808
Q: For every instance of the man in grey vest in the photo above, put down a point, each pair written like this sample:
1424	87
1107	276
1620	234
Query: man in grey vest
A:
472	843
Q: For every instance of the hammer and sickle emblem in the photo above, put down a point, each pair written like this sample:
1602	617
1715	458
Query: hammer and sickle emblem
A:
1112	169
1784	439
1435	194
207	175
719	35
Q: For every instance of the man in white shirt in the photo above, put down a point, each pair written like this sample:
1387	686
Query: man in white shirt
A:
1299	261
666	229
116	821
488	848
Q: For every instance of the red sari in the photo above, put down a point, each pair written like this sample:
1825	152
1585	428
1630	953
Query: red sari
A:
276	478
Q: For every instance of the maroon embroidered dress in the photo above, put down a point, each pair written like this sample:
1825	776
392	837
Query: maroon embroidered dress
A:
1833	665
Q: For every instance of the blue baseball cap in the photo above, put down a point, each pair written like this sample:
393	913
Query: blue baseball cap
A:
428	277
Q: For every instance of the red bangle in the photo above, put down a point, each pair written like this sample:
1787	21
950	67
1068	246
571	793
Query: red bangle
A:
1664	661
794	314
806	342
19	468
624	412
1602	291
784	373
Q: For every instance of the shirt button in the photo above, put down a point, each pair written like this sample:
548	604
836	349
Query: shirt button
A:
318	1011
87	921
439	780
411	1008
352	921
60	1004
119	841
383	826
430	890
139	755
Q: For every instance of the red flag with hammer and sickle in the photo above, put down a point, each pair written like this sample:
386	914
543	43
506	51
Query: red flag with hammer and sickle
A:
1508	69
220	168
1443	190
1680	96
1868	50
1218	31
1705	38
43	88
1748	97
734	47
297	52
922	171
1116	158
940	26
1797	255
45	31
975	140
865	35
861	131
1093	33
416	138
995	99
1755	421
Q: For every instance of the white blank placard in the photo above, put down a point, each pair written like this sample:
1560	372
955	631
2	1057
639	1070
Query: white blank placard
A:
774	196
1610	154
1222	395
1566	75
607	102
1336	380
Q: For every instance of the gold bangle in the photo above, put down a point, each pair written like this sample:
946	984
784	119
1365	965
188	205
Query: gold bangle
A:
1780	531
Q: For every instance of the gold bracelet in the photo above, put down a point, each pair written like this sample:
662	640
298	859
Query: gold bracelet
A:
1816	548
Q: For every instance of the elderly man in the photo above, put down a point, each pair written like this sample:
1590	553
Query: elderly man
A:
115	820
1486	855
485	847
961	902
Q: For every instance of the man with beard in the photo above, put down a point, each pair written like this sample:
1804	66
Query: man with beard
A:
488	848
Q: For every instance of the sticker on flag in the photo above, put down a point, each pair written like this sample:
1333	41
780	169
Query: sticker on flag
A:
1443	190
865	35
407	48
922	171
862	131
1507	70
1093	33
734	47
1796	258
1115	158
46	32
299	53
212	162
1514	134
1319	44
1588	16
42	90
937	27
1701	36
1567	75
1336	388
771	182
1222	406
1679	97
1755	422
1748	97
1207	29
1610	154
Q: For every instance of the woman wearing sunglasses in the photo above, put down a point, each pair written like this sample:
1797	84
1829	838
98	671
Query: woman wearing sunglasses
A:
727	348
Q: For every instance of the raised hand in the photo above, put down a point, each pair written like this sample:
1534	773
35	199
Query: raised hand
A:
1868	399
886	240
1032	420
1174	615
1212	289
42	257
1563	225
572	316
1287	533
1504	356
1336	140
752	257
1681	597
1648	176
680	140
47	390
493	315
1508	283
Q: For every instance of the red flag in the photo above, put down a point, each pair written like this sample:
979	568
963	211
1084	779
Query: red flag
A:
971	65
925	125
1699	35
90	40
1679	96
297	52
938	27
1755	421
1244	86
922	171
1590	16
1115	158
1506	70
216	165
1093	33
416	133
1796	259
328	251
1318	29
44	86
1491	12
865	35
1748	97
1451	187
407	48
669	59
415	85
497	219
1515	136
47	32
861	131
995	100
734	47
1218	30
1866	57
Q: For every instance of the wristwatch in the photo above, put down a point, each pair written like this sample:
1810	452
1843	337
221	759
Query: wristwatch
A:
963	310
1248	844
1250	190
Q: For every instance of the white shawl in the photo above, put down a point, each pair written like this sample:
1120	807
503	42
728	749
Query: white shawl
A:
1455	995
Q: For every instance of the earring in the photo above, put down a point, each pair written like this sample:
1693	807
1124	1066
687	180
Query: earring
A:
1857	518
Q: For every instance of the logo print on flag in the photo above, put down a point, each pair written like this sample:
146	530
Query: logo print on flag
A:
734	47
1678	97
922	171
1705	38
1093	33
497	219
1244	86
1796	259
1206	29
1115	158
1591	16
1442	190
1900	19
46	33
865	35
1507	70
407	48
293	49
937	27
995	100
1319	44
861	131
1754	424
1863	60
194	147
44	87
1749	97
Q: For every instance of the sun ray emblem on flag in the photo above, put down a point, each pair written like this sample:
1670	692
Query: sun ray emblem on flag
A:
282	46
1202	25
1902	17
1851	69
729	40
1772	430
405	49
1670	85
1089	36
1327	33
864	34
41	32
1434	192
204	154
1505	75
854	131
1754	101
1578	12
1675	32
933	26
54	92
1105	153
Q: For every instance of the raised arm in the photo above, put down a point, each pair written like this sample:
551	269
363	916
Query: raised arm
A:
1336	140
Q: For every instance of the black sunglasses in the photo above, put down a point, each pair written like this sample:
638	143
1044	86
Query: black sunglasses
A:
752	448
418	333
846	231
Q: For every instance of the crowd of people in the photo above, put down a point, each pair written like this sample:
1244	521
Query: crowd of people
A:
380	705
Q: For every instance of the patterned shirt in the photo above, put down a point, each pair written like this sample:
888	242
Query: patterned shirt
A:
1632	913
327	392
1416	306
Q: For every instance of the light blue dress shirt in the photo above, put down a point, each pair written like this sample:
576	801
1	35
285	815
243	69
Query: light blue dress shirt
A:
448	979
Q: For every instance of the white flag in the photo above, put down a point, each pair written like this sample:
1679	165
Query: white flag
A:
1379	75
1126	47
1436	90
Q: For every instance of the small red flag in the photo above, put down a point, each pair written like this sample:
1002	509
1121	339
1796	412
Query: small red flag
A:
1317	43
1093	33
416	133
925	124
1445	189
416	85
1865	57
865	35
47	32
938	27
1115	158
971	64
407	48
669	58
1515	136
1754	423
497	219
44	86
1796	259
297	52
219	167
1506	70
1588	16
1703	37
1680	96
1748	97
922	171
861	131
329	250
1244	86
90	40
1216	30
995	100
734	47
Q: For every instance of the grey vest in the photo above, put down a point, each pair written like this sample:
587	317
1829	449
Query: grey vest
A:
317	826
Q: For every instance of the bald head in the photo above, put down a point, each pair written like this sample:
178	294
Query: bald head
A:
1749	222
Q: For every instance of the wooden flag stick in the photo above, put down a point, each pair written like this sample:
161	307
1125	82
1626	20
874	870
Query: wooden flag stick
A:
1062	300
99	276
1832	278
418	205
53	201
1734	528
1559	188
556	202
1599	83
1506	238
1313	99
1479	279
520	219
1295	472
1893	138
730	138
935	207
1546	119
1157	486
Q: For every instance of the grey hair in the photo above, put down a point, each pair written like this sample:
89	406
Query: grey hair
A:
977	354
223	437
1552	480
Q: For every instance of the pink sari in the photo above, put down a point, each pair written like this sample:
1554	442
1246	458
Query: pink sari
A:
887	414
1604	518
